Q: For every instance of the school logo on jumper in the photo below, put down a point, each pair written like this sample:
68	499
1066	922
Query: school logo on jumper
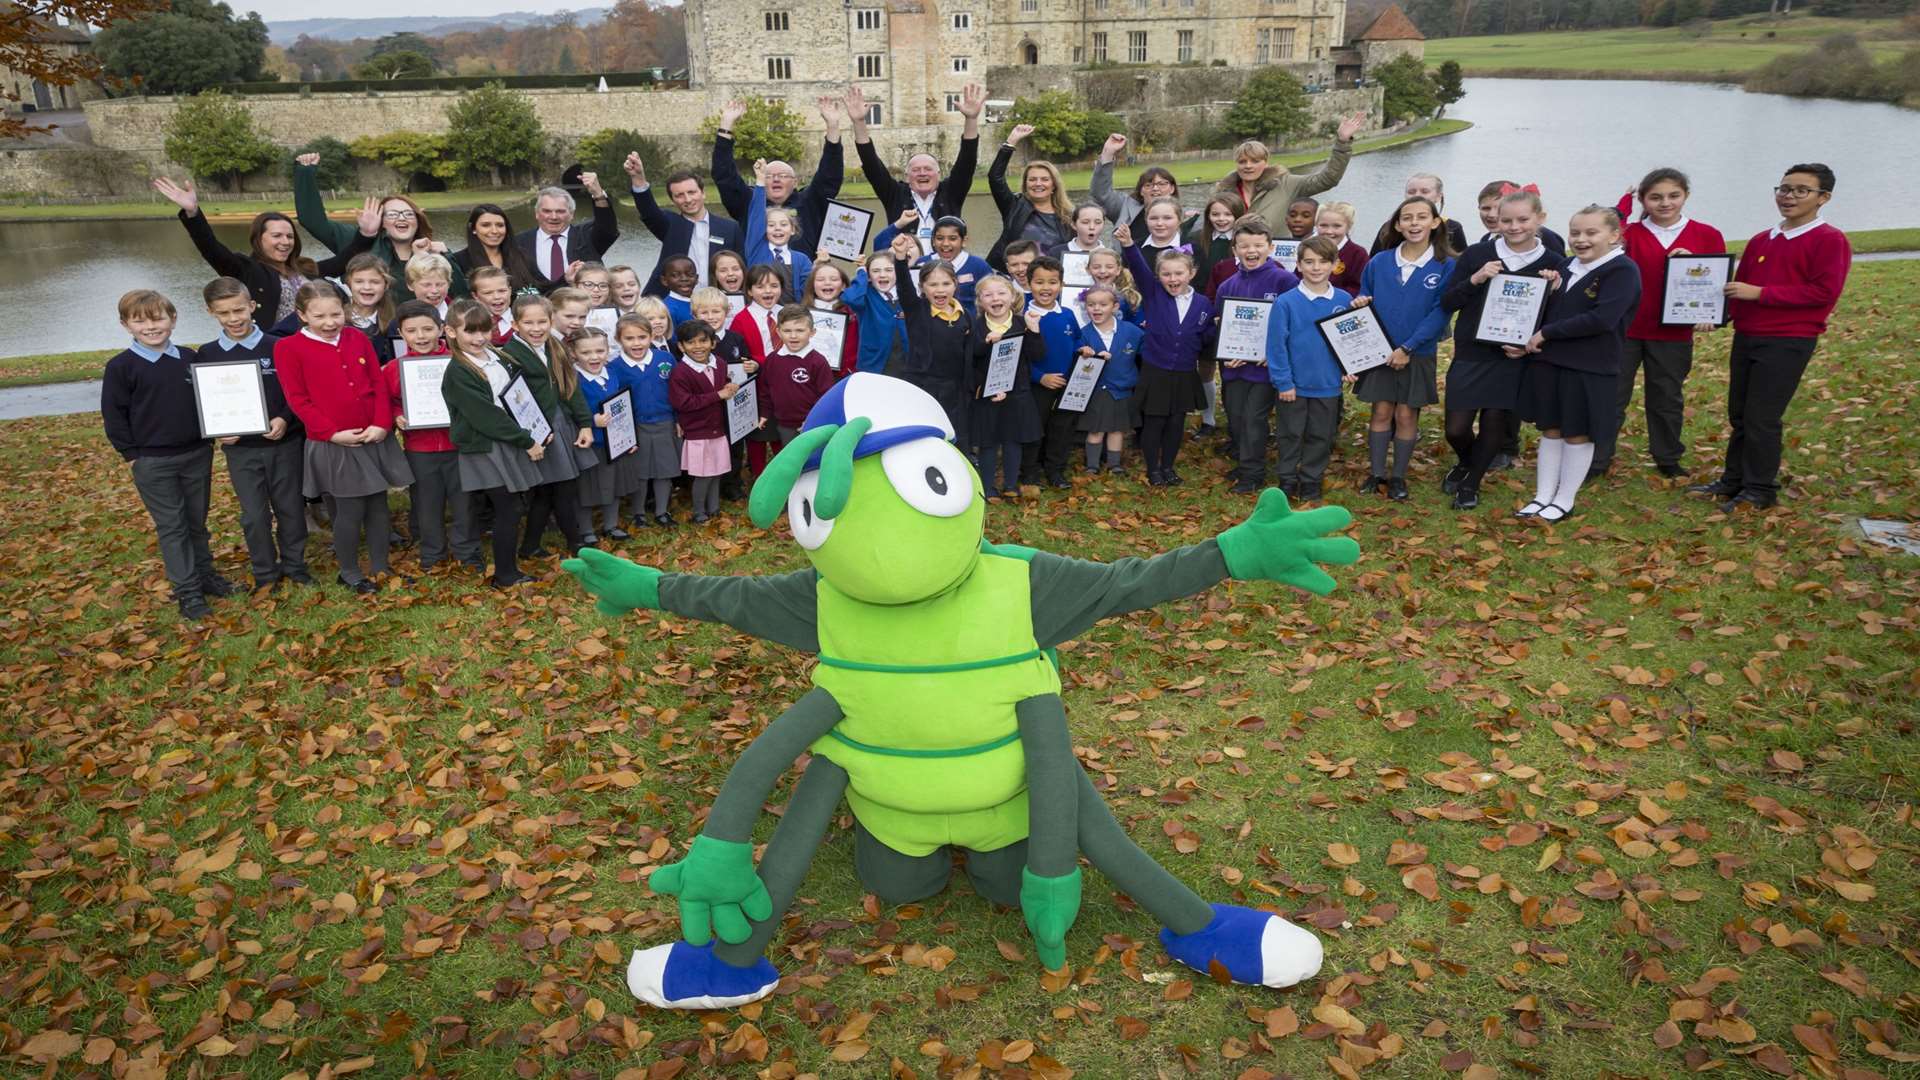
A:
800	375
1431	281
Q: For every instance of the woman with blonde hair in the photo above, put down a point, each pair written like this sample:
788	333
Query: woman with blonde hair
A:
1040	211
1266	189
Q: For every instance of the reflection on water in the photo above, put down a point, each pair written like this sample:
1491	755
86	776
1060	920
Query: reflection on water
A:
1580	141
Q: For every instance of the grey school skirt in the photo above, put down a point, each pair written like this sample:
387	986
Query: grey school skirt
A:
351	472
1415	385
656	456
558	464
501	466
596	481
1105	413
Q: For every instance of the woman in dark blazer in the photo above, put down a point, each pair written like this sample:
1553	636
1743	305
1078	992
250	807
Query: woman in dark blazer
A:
275	269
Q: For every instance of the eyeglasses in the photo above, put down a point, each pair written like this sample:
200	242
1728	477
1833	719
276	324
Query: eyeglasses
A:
1798	192
399	215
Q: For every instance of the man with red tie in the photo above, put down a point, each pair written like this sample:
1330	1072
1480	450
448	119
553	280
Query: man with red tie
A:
556	246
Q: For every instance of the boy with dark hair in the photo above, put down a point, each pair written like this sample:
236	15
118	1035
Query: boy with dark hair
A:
266	470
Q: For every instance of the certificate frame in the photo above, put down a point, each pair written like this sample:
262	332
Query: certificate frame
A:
844	231
1359	340
829	327
623	437
1668	302
1081	383
1073	269
743	421
1003	364
524	408
1509	296
1243	328
417	374
238	399
1286	252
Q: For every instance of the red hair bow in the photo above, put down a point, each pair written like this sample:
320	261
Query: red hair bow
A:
1509	189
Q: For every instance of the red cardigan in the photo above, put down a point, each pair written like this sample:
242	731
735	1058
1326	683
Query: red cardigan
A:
696	401
752	335
333	388
1800	281
428	441
1643	247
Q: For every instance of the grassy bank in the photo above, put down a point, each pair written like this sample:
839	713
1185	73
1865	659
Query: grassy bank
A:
1632	795
456	202
1732	47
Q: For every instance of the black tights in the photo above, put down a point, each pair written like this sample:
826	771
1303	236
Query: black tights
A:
506	530
1160	441
559	500
1476	452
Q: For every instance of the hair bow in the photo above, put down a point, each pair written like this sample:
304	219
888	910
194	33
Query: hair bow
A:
1509	189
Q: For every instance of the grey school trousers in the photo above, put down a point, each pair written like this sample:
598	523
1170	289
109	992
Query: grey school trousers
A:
175	489
436	490
267	481
1306	428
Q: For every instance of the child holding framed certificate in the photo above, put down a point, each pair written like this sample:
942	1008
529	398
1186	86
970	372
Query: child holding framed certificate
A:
1307	379
499	460
1403	283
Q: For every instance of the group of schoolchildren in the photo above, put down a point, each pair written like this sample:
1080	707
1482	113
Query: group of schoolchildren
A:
920	307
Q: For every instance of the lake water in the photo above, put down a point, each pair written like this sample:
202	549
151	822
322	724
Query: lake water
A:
1580	141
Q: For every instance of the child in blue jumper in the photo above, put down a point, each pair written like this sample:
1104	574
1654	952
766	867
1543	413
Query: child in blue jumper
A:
1110	412
1307	378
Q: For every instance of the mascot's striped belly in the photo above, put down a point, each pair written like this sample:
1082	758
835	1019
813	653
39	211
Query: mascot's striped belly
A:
929	741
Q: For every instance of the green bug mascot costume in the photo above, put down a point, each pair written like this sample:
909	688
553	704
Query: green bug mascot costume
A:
936	707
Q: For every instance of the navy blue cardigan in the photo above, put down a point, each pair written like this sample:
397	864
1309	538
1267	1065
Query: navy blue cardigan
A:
1586	326
1463	296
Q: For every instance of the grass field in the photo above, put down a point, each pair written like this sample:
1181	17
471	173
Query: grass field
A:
1209	170
1735	46
1629	796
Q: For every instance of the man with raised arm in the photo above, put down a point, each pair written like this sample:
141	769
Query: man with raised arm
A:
693	231
924	190
782	182
557	245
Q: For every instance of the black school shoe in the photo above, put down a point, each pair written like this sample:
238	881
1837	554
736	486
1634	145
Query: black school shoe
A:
216	586
1246	487
617	534
1374	484
1451	482
300	577
194	608
1671	471
1397	489
1719	489
1500	461
365	586
1308	492
1466	498
1749	500
499	582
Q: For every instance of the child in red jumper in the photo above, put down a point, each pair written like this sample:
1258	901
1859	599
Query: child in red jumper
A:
795	375
1788	281
1666	352
698	390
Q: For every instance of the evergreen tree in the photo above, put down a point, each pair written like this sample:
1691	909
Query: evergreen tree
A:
491	128
213	136
1272	107
196	45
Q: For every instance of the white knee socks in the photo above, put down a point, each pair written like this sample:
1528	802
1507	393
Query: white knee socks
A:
1575	459
1547	475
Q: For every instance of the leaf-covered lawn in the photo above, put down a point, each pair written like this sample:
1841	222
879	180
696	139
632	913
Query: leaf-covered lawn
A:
1629	796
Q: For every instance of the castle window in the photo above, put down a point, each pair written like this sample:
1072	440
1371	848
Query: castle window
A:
1283	48
779	67
953	103
1136	46
867	65
1029	6
866	19
1099	47
1100	5
1186	3
873	114
962	64
1262	46
963	21
776	20
1079	54
1183	52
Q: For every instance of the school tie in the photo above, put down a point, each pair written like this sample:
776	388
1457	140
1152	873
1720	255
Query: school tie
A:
780	256
773	330
556	262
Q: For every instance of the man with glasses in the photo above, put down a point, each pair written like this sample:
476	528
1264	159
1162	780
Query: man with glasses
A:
809	203
555	245
1789	279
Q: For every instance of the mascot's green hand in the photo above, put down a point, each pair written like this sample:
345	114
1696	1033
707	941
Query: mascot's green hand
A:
718	891
1276	544
621	584
1050	905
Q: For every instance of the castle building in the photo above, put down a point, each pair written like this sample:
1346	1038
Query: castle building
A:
912	57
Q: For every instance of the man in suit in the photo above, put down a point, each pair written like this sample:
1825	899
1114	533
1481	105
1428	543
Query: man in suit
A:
555	245
692	232
924	190
782	182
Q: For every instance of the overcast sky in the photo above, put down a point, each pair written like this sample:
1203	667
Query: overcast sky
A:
270	10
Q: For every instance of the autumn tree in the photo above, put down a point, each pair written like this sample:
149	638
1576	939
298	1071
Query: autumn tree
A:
29	45
412	154
193	46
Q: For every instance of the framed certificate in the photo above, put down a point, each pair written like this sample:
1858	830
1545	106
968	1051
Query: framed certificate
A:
829	334
1357	339
420	399
1696	290
1080	384
605	319
1073	267
1002	365
231	398
1513	309
1287	253
743	411
622	438
520	404
843	234
1243	328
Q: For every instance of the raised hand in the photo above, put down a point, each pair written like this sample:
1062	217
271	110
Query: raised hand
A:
1350	126
1019	132
180	195
1123	234
907	219
760	172
1277	544
591	181
855	102
827	103
369	219
731	112
620	585
718	890
1115	143
308	160
905	247
973	99
636	169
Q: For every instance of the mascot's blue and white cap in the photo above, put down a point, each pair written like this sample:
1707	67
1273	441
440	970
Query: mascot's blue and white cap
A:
900	411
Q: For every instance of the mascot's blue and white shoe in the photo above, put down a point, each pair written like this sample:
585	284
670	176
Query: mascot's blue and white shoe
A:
1256	948
683	976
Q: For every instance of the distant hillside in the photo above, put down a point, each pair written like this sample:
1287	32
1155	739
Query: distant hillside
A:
287	31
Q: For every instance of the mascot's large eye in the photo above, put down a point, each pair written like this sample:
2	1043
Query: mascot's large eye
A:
809	528
930	475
